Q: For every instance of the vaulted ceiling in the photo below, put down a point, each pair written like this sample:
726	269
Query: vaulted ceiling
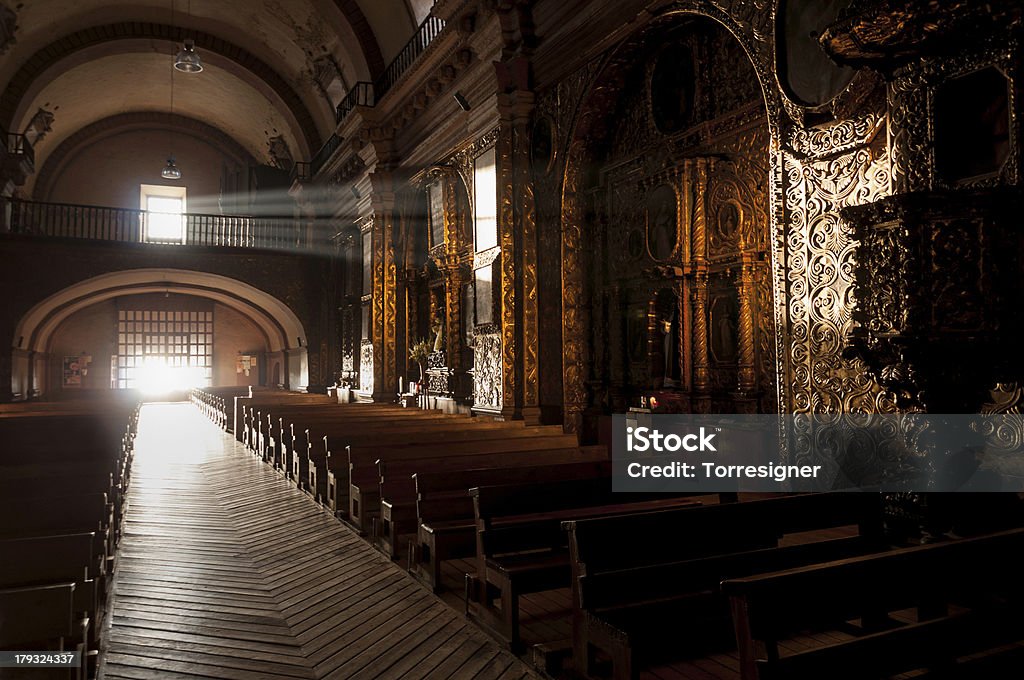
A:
273	68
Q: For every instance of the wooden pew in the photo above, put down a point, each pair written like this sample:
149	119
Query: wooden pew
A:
245	418
335	435
275	420
315	465
521	547
397	486
302	452
626	581
65	558
445	527
967	593
52	481
336	442
43	464
364	472
313	470
263	419
214	402
41	618
281	425
50	516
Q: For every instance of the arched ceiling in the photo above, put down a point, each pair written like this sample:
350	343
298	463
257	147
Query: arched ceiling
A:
216	96
87	60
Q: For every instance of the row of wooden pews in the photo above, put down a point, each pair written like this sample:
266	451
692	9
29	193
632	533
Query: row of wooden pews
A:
217	403
64	469
681	585
633	572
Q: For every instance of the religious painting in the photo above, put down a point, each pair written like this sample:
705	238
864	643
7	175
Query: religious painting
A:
72	372
724	328
728	221
661	222
435	197
673	85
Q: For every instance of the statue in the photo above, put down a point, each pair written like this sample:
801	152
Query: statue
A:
438	336
668	350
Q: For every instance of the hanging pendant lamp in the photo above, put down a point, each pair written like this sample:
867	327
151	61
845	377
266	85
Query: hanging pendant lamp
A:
170	170
188	60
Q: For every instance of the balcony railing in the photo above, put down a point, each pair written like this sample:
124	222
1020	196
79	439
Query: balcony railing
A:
64	220
361	94
365	93
425	34
325	152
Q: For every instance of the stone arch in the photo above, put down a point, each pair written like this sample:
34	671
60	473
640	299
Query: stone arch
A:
280	326
90	134
364	35
590	122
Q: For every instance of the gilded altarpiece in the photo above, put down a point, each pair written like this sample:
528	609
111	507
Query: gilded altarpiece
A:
682	300
450	254
803	274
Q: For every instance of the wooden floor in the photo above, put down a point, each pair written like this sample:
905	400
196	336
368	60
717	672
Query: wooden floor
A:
227	571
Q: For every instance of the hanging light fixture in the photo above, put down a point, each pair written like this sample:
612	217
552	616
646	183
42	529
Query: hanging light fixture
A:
170	170
188	60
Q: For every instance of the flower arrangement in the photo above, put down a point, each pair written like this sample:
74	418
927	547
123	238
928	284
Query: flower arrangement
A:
420	351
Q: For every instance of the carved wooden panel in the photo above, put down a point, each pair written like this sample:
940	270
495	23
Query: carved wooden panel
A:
487	383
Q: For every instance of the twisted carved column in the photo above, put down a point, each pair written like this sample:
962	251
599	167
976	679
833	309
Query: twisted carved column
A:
701	363
453	282
746	378
746	375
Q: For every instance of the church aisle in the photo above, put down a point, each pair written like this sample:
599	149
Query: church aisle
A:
227	571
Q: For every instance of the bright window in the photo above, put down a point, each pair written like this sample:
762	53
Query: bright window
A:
164	350
163	218
486	181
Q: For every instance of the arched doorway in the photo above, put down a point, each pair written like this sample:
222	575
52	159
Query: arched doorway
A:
667	263
276	331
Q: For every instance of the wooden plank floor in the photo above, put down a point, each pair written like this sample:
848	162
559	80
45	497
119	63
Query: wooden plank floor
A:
227	571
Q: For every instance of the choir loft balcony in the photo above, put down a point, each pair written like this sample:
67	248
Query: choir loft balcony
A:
125	225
